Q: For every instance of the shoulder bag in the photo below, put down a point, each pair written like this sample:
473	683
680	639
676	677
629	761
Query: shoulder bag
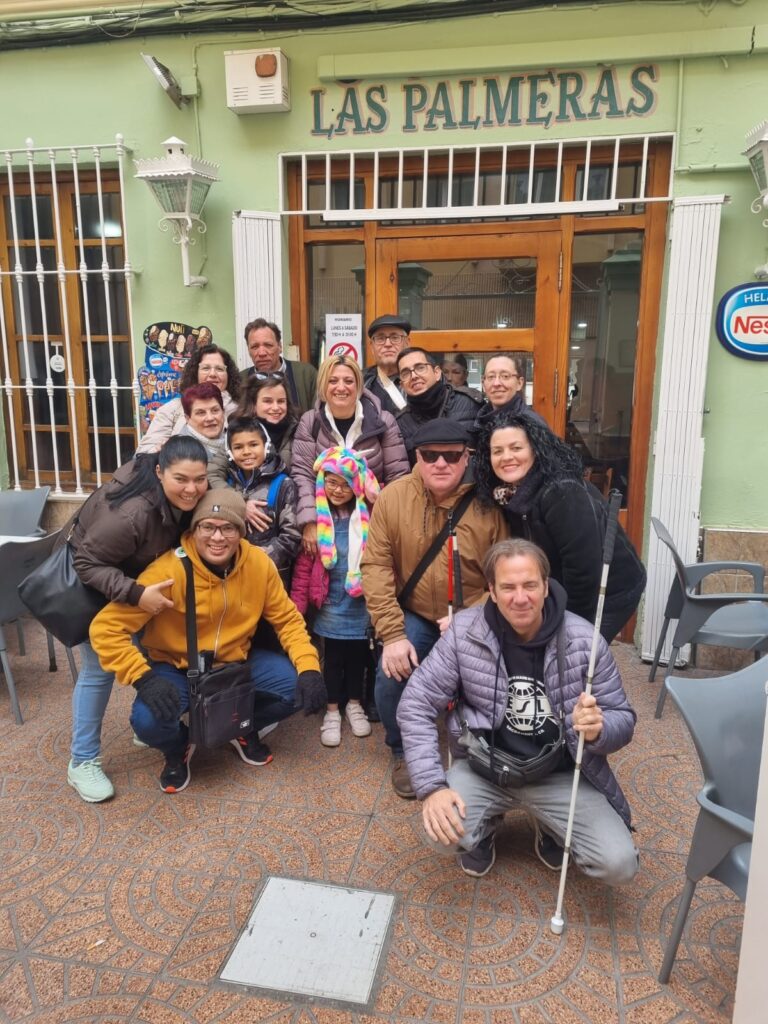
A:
221	699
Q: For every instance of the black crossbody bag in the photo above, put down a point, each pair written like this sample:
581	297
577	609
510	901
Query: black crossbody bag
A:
506	770
221	700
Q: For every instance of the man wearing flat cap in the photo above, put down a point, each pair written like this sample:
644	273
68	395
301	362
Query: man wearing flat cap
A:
409	589
388	334
236	586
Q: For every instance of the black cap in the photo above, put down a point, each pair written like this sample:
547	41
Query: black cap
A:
440	431
389	320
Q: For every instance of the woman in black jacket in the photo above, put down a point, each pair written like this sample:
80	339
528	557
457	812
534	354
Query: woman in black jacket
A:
537	480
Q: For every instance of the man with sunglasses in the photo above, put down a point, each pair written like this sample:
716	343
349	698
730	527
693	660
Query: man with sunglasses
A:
389	335
430	397
406	522
236	586
265	347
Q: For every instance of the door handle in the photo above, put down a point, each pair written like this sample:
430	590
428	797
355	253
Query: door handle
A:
555	388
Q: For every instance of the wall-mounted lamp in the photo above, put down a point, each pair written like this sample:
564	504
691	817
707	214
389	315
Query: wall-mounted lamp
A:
180	184
757	154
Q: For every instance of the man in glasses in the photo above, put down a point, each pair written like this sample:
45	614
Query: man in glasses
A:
503	383
265	347
236	586
430	397
389	335
406	582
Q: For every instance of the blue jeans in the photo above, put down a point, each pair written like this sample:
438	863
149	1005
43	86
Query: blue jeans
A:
89	702
388	691
274	688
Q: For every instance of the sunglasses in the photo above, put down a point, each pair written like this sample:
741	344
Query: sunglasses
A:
430	456
273	375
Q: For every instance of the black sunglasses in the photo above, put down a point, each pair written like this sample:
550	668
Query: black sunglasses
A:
430	456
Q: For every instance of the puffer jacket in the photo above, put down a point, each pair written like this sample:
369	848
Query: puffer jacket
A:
169	420
228	613
458	405
379	441
111	546
282	539
311	582
404	522
466	660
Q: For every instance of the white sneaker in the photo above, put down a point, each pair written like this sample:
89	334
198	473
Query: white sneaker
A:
357	719
330	730
90	781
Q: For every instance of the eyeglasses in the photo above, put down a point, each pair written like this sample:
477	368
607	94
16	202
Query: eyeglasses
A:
505	378
430	456
228	531
379	339
339	488
419	369
204	371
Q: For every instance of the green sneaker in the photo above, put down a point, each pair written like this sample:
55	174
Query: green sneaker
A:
90	781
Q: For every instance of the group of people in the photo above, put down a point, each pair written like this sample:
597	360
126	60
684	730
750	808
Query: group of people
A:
435	549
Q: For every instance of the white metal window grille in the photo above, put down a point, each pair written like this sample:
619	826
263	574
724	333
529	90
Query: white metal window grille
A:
257	254
486	180
68	379
679	446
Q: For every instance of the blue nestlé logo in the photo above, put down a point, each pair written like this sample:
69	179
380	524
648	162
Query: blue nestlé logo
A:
742	321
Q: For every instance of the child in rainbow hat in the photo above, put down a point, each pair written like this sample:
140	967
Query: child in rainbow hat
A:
332	582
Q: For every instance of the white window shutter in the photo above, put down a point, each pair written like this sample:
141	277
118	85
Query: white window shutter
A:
258	264
679	446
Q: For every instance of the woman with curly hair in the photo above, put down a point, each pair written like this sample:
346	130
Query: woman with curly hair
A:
208	364
537	481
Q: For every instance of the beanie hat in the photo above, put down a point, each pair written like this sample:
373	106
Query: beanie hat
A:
221	503
354	470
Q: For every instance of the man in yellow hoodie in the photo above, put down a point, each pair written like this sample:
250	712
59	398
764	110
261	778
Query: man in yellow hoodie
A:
236	586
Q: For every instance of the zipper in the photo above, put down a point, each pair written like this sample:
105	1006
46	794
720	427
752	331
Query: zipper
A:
221	620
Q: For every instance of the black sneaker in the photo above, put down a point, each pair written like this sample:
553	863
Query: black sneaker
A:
176	774
478	862
547	849
252	750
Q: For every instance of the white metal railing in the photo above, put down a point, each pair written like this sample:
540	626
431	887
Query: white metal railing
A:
389	166
32	172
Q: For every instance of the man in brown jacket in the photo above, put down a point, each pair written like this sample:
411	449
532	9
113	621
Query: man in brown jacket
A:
407	517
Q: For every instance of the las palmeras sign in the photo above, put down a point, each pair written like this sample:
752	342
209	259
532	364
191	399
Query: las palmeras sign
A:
537	98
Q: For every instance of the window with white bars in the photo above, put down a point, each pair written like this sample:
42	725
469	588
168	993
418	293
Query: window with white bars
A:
68	380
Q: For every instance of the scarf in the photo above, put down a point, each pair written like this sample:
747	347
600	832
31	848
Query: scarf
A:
396	396
354	469
518	498
429	404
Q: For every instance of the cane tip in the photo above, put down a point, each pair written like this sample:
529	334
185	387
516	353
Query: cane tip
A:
556	925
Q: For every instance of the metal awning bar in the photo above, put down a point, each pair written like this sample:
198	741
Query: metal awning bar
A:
461	212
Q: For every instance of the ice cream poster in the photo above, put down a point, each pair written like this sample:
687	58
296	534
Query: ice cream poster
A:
169	344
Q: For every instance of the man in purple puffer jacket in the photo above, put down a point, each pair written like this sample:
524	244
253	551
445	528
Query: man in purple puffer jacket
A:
518	665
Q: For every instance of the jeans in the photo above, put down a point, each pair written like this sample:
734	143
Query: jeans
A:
388	691
89	702
274	689
601	844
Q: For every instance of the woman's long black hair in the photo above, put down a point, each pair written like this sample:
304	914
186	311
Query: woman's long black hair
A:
144	479
555	459
189	376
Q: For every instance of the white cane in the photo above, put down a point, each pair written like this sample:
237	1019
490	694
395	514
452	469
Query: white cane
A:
557	923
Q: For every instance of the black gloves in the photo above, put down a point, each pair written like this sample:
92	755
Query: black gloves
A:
160	696
311	693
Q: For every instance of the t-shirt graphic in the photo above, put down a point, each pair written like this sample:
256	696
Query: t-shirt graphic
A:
529	723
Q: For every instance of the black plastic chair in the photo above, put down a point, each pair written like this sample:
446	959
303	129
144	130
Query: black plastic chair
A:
738	620
726	719
17	560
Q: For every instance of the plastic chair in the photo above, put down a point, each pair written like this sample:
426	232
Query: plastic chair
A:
738	620
21	512
726	719
17	560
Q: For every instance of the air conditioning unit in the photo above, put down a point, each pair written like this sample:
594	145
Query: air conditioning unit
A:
257	81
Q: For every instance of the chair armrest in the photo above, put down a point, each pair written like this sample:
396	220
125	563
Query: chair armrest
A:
744	826
721	600
697	571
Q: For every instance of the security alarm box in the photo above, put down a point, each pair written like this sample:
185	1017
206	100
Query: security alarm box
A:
257	81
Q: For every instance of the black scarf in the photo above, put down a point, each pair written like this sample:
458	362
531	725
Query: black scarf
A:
276	431
429	404
519	498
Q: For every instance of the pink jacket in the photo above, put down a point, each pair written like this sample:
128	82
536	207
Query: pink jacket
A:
310	582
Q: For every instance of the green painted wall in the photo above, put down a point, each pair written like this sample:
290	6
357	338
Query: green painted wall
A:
87	94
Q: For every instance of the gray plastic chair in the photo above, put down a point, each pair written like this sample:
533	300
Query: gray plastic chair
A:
738	620
726	720
17	560
21	512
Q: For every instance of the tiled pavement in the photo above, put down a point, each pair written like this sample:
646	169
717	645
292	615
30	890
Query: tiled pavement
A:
124	912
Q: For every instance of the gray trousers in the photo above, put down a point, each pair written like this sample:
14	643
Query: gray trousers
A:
601	844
